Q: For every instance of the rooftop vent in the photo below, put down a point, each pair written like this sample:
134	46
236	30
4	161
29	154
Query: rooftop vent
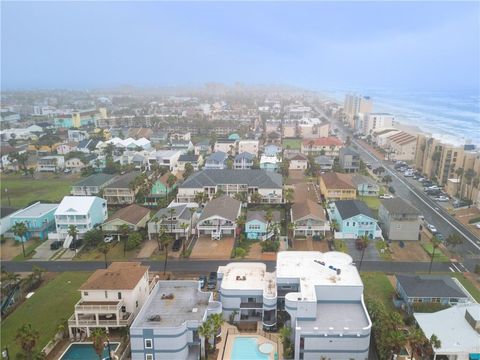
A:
194	310
167	296
241	278
155	318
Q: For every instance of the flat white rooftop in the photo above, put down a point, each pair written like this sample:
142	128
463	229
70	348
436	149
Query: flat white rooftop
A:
76	205
247	276
314	268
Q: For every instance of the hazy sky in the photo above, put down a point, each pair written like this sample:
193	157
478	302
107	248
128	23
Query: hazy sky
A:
408	45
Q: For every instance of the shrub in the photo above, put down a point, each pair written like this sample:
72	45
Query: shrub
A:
270	245
240	252
133	241
477	269
474	220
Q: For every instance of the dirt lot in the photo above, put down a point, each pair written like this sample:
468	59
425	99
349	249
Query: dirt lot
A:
412	251
309	245
9	250
206	248
295	177
464	215
255	253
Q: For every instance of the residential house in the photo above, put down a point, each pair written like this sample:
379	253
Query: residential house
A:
234	136
75	165
194	160
92	185
158	137
110	298
88	145
77	135
257	227
216	160
272	150
52	163
5	152
83	212
349	160
309	219
324	162
298	161
321	292
38	218
399	220
267	184
65	148
225	145
77	119
138	133
160	189
269	163
329	146
203	147
456	328
185	136
120	191
365	185
429	289
337	186
354	219
183	145
5	215
250	146
173	218
219	217
167	158
243	161
167	325
134	216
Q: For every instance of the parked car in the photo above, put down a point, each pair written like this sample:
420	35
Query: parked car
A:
386	196
203	280
176	245
460	203
432	229
108	239
441	198
212	280
440	237
477	225
55	245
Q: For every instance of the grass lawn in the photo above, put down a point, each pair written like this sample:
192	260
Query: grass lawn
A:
24	190
467	284
381	245
293	144
30	247
371	201
340	245
115	254
439	255
44	310
379	287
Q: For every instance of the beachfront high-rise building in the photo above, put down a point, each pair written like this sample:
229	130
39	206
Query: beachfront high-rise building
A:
375	121
354	105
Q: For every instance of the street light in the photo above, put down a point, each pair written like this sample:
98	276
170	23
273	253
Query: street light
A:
8	196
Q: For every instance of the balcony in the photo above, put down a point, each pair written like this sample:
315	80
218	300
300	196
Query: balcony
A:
125	320
251	305
98	306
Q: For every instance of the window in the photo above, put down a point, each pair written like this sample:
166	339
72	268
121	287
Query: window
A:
119	295
348	223
136	303
148	344
148	356
85	293
106	294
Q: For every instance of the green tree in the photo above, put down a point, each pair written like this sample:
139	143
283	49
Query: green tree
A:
99	337
166	240
27	338
205	331
454	239
20	230
285	337
104	248
217	322
184	227
188	171
92	238
435	244
134	240
124	231
256	197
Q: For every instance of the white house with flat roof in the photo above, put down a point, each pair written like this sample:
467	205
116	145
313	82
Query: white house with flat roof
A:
167	326
322	293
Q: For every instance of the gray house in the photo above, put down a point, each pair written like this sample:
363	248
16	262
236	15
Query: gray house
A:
243	161
172	219
399	220
349	160
92	185
365	185
216	160
325	162
414	289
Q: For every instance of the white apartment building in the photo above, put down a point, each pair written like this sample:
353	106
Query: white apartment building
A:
111	298
322	293
250	146
167	326
375	121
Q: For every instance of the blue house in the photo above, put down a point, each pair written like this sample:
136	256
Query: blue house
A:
256	226
38	218
217	160
271	150
354	219
269	163
243	161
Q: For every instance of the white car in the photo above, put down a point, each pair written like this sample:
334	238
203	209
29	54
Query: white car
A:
432	228
441	198
108	239
477	225
386	196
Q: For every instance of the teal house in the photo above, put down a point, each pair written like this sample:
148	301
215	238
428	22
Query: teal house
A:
38	218
256	226
354	219
234	136
159	190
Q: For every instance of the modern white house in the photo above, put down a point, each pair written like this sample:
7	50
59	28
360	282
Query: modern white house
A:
219	217
83	212
250	146
111	298
167	325
167	158
321	293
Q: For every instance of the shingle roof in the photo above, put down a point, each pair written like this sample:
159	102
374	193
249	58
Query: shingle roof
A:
123	181
224	206
118	276
260	216
218	156
305	208
333	180
296	156
430	286
348	151
399	206
179	211
188	158
244	155
131	214
362	179
325	160
323	141
350	208
212	177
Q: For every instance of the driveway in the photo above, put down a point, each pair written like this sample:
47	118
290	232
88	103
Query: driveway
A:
309	245
43	252
206	248
371	252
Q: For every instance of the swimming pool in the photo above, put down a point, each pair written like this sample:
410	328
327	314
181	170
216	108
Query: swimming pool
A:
246	348
85	351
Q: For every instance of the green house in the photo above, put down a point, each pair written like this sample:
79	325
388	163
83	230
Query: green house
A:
159	190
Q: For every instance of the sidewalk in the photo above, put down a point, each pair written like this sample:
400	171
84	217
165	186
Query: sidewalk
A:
147	250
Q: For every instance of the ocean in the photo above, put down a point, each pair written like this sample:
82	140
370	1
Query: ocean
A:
452	117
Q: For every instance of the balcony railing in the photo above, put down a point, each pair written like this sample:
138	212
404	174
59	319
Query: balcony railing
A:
91	322
79	307
251	305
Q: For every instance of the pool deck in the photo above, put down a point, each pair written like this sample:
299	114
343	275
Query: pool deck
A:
232	334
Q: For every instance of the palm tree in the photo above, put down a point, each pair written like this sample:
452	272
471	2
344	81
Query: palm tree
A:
38	272
469	175
99	336
171	180
285	338
165	240
454	239
27	338
256	197
184	227
435	342
192	211
268	218
291	229
417	339
205	331
104	248
20	230
124	231
171	212
364	241
72	231
289	195
435	244
217	322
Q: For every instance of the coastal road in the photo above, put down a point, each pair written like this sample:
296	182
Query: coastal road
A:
206	266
